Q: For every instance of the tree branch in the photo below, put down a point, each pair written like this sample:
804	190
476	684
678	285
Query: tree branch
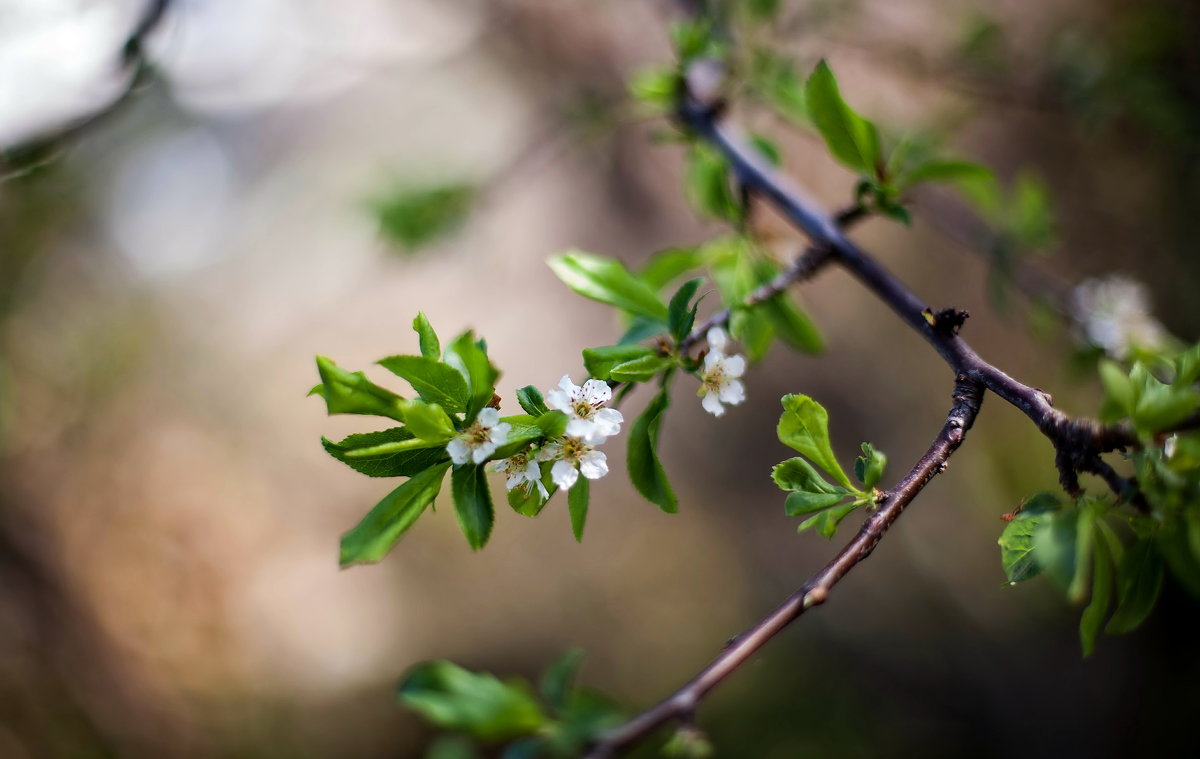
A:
968	395
1074	440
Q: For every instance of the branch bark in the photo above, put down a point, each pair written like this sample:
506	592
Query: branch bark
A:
968	396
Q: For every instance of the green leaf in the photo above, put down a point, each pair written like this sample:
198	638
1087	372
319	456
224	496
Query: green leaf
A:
707	184
828	520
531	400
352	393
577	504
645	470
763	9
641	328
472	504
434	381
680	317
1092	618
375	535
415	218
768	149
558	680
791	324
752	328
427	421
470	359
657	86
1187	366
476	703
804	427
608	281
523	430
553	423
362	453
800	503
1140	578
529	503
1159	405
600	362
797	474
667	265
944	171
1017	540
1119	393
640	369
868	468
851	139
430	347
1057	551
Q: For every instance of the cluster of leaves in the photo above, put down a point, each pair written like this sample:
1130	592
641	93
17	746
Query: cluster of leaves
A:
482	709
804	427
452	387
1116	554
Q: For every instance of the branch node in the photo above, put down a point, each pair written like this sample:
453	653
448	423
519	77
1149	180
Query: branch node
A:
815	597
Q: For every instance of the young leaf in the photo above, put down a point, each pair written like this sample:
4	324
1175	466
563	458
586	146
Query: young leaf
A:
752	328
472	504
577	504
804	427
645	470
600	362
851	139
1119	393
640	369
553	423
470	359
430	347
658	86
945	171
800	502
667	265
1016	541
415	218
1140	578
352	393
476	703
680	317
1055	545
362	453
434	381
375	535
1092	618
868	468
608	281
528	501
558	680
828	520
531	400
708	186
791	324
427	421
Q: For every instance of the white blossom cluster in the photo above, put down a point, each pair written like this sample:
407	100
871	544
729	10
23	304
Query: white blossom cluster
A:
1114	314
590	423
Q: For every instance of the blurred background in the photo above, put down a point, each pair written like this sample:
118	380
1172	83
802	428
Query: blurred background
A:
169	523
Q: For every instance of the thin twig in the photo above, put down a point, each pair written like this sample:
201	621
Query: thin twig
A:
968	395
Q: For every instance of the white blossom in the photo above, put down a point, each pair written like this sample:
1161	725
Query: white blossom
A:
719	381
480	439
588	418
1114	314
573	456
521	471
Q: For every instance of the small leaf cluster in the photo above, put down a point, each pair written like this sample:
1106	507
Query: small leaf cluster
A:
804	427
558	719
1115	554
452	387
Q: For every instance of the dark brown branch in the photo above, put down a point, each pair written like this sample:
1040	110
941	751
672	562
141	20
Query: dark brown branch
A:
1074	440
968	395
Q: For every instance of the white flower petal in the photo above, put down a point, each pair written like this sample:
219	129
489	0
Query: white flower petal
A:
732	392
532	472
499	434
488	417
482	452
564	474
593	465
596	392
580	427
558	400
712	360
734	366
541	489
549	452
717	339
566	384
514	482
500	466
459	450
712	404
